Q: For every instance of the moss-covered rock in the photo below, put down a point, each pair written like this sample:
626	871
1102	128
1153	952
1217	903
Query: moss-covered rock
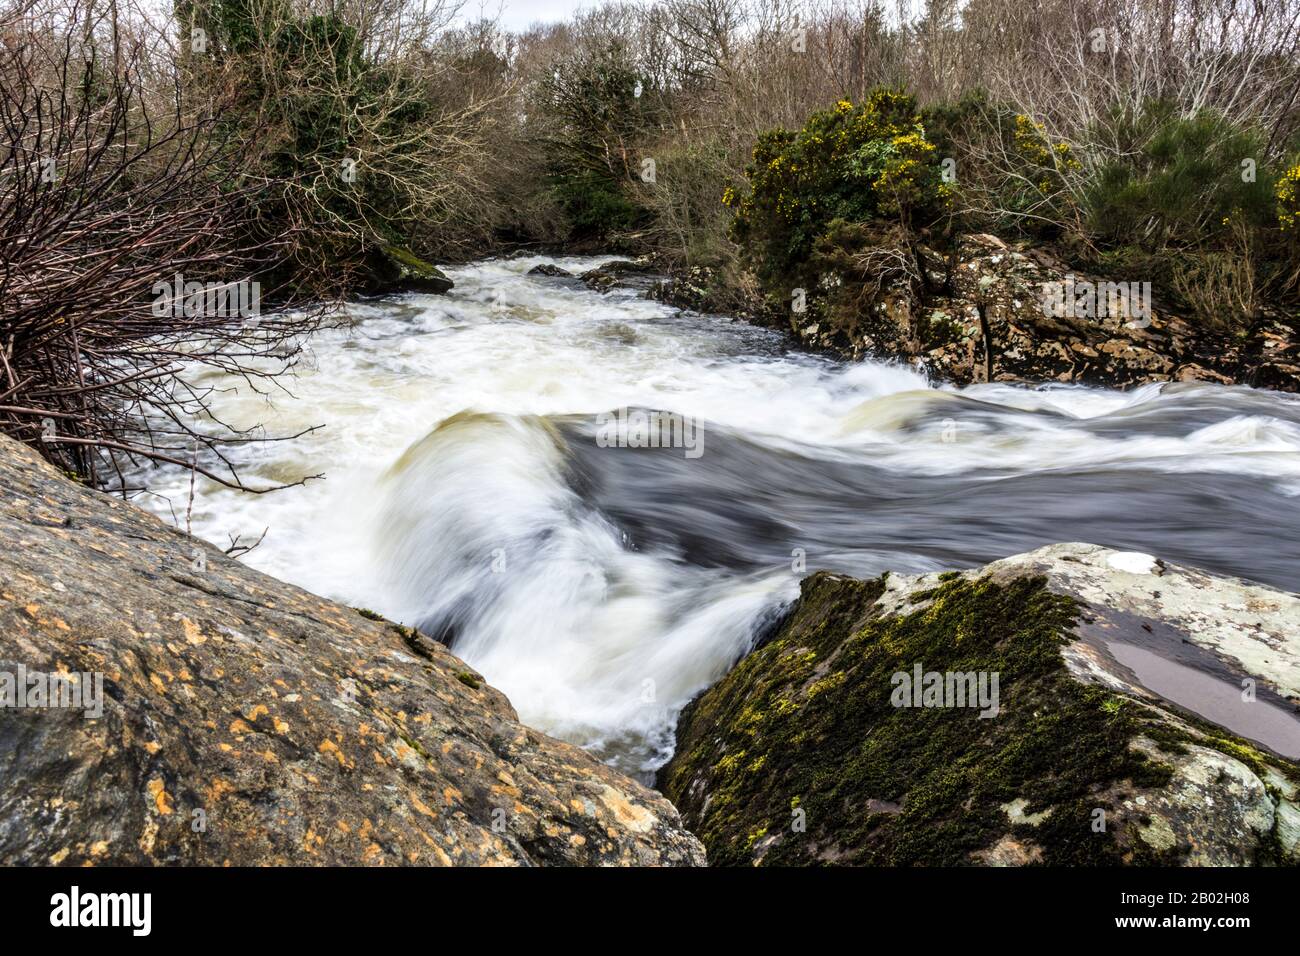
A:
398	269
813	750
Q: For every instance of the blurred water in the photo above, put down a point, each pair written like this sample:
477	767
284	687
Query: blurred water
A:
602	587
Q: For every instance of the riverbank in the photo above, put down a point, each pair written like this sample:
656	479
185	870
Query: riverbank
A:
977	314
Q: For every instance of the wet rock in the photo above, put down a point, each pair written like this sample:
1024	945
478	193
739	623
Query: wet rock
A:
397	269
689	289
1143	713
638	275
247	722
714	291
551	271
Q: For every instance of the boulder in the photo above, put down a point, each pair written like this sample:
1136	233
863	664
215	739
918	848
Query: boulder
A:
1072	705
244	721
638	275
551	271
397	269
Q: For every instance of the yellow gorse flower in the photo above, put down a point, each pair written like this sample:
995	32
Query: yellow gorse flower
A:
1288	199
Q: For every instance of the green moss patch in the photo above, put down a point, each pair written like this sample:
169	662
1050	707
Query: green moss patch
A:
799	757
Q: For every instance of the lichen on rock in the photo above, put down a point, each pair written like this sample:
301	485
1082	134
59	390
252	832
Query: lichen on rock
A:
801	756
248	722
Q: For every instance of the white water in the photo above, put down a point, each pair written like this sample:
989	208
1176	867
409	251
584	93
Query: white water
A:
601	589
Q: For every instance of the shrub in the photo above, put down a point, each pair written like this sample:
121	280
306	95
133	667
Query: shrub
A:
1183	185
363	149
689	225
1287	193
595	118
1179	205
852	163
1012	177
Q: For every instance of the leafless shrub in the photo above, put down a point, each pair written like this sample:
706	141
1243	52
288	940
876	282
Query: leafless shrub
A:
112	189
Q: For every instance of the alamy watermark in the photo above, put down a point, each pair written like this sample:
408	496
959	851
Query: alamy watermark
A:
226	300
24	689
923	688
75	908
1081	300
638	428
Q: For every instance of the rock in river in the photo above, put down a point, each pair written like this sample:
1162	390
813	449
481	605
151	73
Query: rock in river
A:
398	269
1073	705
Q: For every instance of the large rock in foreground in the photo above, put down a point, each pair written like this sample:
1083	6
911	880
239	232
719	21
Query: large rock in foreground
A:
1140	715
247	722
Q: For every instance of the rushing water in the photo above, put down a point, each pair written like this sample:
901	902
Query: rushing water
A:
602	587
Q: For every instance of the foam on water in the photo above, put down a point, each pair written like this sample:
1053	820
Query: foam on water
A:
602	588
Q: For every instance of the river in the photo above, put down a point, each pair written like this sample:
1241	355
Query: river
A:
471	490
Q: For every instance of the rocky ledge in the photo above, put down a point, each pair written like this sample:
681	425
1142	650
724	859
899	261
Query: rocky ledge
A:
986	321
163	703
1073	705
976	314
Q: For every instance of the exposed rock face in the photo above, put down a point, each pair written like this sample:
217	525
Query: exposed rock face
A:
245	721
711	290
977	316
1119	702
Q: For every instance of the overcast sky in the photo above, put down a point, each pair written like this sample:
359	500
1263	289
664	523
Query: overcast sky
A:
518	14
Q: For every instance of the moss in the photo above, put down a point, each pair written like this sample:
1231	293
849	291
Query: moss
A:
396	268
407	259
1202	733
469	680
369	615
887	785
1166	737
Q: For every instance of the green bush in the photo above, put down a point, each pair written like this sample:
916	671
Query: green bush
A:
593	202
1184	185
1191	204
851	163
1152	195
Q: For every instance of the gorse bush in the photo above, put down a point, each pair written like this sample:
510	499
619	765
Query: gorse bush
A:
850	163
1184	184
1287	192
